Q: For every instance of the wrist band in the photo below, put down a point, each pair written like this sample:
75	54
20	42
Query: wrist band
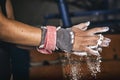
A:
49	40
65	39
56	38
44	31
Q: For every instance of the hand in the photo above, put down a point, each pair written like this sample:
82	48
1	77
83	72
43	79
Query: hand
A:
85	38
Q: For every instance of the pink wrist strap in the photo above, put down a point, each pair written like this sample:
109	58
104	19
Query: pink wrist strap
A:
50	41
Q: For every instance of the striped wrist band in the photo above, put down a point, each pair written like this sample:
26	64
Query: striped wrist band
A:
49	42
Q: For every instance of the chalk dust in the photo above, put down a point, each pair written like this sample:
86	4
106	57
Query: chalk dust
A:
76	67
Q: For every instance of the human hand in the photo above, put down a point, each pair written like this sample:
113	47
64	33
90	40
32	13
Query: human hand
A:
85	38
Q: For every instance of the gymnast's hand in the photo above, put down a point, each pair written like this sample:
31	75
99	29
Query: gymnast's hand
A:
84	38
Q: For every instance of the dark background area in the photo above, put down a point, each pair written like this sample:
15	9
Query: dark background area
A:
33	12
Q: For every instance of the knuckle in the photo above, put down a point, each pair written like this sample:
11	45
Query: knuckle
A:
96	37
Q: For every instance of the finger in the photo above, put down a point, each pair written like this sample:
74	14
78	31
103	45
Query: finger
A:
82	26
89	51
80	53
80	49
105	44
89	43
92	52
97	30
85	50
89	40
99	49
94	37
107	39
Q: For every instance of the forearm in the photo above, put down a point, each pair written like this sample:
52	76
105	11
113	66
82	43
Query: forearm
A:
19	33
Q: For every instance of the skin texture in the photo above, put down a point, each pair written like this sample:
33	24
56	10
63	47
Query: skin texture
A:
19	33
9	9
25	35
85	38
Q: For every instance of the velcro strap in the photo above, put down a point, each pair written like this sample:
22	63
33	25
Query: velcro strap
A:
50	41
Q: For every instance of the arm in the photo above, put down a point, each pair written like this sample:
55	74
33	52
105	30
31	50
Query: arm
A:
23	34
19	33
10	15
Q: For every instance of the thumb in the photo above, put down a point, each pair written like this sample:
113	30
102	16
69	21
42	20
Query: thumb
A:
82	26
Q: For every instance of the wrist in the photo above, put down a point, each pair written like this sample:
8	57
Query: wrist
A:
48	40
65	39
56	38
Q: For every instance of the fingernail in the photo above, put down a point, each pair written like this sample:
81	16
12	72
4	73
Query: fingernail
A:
108	40
106	28
87	23
100	49
106	44
84	28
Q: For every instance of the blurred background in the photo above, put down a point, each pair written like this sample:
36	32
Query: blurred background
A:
67	13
